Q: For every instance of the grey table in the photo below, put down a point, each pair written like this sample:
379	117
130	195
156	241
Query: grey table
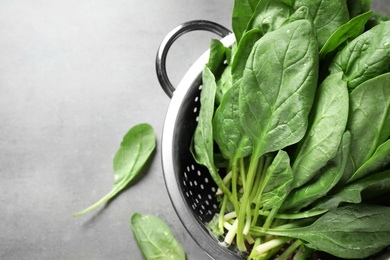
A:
74	77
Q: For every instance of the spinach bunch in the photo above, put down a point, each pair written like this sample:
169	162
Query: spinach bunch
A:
298	108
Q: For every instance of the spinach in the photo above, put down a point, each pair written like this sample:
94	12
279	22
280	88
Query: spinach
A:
328	120
344	33
326	179
203	143
155	238
277	182
242	53
327	15
364	58
377	183
368	124
242	13
379	160
269	15
227	130
296	111
274	111
135	149
344	232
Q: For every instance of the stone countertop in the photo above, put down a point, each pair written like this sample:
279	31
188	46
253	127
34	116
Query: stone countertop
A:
74	77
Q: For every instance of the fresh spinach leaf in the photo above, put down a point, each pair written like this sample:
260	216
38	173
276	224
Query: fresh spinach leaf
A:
379	160
242	53
353	231
275	97
203	142
369	118
242	13
216	58
345	33
223	84
364	58
376	183
155	239
327	16
227	129
277	181
269	15
135	149
325	180
327	123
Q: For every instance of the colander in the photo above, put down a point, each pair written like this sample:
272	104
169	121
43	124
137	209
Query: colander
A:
189	185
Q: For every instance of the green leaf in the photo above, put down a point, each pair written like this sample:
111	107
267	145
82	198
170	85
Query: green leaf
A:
155	239
224	84
327	123
326	179
327	16
354	231
278	179
376	183
278	85
242	53
216	57
242	13
369	118
379	160
134	151
227	129
269	15
364	58
344	33
203	142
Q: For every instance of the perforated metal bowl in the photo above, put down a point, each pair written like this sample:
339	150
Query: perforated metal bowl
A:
190	186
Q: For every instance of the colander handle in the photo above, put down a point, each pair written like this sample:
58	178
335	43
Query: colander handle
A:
171	37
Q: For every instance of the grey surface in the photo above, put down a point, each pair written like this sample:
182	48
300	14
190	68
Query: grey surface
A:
74	77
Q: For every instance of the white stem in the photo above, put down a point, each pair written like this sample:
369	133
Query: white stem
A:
230	215
226	180
232	233
265	247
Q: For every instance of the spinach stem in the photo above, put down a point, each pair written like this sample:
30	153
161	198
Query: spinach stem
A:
290	250
265	247
245	200
222	213
298	215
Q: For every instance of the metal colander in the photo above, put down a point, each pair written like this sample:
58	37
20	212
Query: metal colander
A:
189	185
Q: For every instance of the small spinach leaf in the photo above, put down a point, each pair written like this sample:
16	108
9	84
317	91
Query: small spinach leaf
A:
326	179
344	33
379	160
369	124
155	238
328	120
366	57
278	178
269	15
227	129
203	142
377	183
327	15
134	151
242	13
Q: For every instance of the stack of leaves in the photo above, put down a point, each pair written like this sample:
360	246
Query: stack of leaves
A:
299	109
